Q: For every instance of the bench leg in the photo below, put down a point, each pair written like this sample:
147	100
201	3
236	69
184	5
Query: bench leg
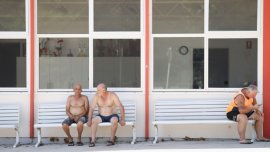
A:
134	135
39	137
156	134
17	138
253	136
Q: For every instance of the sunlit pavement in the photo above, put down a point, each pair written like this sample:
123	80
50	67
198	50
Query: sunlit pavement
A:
172	146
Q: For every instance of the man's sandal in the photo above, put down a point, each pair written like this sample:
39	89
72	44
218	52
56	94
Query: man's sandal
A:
262	140
71	143
91	144
79	143
245	142
110	143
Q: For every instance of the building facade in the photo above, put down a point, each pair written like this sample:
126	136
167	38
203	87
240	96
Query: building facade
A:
144	50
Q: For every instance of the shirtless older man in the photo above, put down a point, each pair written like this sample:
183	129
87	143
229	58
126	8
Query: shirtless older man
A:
77	107
107	103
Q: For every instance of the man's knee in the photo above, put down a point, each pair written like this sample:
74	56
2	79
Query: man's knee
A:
65	126
114	120
80	124
257	117
96	120
242	118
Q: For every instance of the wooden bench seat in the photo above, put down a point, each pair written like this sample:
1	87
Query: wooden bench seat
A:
9	118
52	115
173	112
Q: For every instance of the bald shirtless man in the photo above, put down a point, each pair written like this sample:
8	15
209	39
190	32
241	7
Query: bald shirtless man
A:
77	107
107	103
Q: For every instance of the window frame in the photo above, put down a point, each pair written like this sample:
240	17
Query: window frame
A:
96	35
20	35
258	34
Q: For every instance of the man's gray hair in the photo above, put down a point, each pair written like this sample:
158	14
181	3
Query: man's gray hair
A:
252	88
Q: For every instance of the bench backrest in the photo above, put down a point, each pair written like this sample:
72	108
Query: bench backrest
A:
173	110
56	113
9	114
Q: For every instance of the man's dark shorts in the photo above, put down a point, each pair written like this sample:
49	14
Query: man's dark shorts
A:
108	118
232	115
69	121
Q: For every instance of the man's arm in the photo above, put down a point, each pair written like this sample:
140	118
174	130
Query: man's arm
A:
240	102
91	111
68	107
255	103
121	107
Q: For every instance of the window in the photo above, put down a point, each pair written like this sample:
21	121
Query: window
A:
205	50
117	62
13	45
178	63
178	16
63	62
89	42
13	63
117	15
232	15
12	15
232	63
62	16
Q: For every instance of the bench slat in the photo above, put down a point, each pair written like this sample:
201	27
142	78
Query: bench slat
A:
192	102
190	110
189	106
191	114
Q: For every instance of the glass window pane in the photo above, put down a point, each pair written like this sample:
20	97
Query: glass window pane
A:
178	16
117	62
13	63
232	62
12	15
178	63
117	15
63	62
233	15
63	16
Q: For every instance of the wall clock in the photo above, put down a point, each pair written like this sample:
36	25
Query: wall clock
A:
183	50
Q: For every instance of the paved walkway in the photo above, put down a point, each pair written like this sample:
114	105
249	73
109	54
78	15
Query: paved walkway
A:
174	146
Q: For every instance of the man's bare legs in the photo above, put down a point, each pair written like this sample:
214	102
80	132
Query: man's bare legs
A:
258	125
94	126
80	130
242	125
114	126
67	131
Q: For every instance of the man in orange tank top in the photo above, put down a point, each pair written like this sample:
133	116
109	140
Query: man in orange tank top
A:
243	107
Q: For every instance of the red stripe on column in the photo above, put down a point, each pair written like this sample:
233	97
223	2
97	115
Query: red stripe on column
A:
146	69
266	68
32	62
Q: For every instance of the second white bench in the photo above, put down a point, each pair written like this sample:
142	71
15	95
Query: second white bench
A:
176	112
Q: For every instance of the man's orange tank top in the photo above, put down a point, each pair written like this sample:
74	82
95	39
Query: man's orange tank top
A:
248	102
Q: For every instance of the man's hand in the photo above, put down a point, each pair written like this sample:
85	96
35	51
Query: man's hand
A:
71	117
76	118
122	122
259	112
256	107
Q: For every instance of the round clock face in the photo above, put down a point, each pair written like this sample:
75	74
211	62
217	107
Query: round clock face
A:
183	50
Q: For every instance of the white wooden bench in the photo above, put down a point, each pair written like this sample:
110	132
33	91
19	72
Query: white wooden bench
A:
173	112
9	118
52	115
